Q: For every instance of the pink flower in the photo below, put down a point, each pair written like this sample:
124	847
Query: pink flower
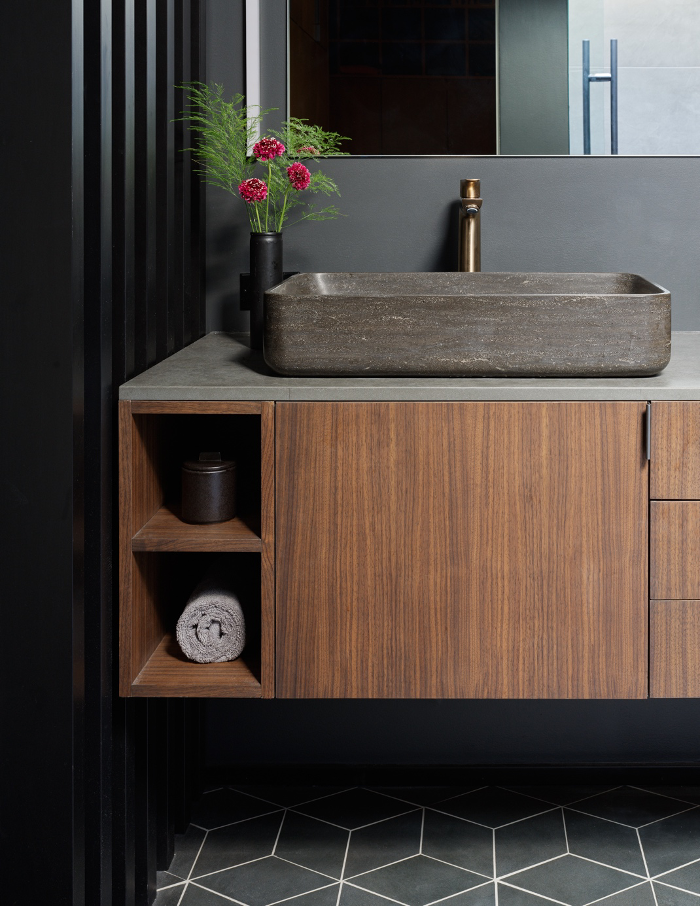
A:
253	190
268	149
299	176
309	148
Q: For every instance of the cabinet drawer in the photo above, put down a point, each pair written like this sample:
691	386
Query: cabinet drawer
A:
675	649
675	549
675	453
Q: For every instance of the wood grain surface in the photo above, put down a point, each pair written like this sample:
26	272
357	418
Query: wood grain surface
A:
675	649
168	673
462	550
267	557
675	455
675	549
165	531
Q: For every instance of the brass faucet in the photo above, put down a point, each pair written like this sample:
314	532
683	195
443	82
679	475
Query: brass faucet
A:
470	225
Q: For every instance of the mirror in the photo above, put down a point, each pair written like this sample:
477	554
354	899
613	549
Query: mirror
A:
465	77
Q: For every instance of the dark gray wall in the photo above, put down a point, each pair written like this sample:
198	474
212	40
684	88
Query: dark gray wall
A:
552	214
533	76
556	214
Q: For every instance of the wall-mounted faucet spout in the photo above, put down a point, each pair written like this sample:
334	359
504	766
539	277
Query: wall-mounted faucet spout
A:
469	258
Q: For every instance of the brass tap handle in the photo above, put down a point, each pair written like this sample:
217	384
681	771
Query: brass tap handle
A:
470	188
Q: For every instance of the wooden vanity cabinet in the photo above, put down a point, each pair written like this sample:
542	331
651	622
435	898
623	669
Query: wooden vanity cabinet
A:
675	550
461	550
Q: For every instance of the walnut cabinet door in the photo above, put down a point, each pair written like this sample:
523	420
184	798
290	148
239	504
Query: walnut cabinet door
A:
461	550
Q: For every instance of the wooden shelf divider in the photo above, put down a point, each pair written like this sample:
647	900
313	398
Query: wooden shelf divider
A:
165	531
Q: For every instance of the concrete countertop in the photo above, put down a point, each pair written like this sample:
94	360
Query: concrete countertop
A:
221	366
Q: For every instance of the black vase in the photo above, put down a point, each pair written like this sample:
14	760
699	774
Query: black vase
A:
265	272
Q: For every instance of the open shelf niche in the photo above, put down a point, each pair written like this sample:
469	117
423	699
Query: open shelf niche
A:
161	558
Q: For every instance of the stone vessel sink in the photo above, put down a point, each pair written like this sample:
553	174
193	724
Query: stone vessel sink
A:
467	325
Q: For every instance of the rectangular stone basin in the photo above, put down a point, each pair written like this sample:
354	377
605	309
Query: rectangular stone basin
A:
467	325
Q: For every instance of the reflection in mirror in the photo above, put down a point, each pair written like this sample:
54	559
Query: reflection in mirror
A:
419	76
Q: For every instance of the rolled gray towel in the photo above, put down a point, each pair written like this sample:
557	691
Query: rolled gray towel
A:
212	628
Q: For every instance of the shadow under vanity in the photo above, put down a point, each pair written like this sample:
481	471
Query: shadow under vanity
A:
420	537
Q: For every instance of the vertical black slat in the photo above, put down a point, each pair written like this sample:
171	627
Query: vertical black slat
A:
123	806
153	773
119	300
174	342
187	178
139	187
179	812
151	200
177	259
160	175
127	228
144	855
197	219
165	834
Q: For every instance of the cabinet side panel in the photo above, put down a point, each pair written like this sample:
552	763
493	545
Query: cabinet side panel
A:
475	550
675	649
675	457
126	604
267	564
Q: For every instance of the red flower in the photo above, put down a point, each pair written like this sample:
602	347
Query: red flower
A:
310	149
253	190
299	176
268	149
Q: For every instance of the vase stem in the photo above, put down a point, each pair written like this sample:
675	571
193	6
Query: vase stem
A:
266	271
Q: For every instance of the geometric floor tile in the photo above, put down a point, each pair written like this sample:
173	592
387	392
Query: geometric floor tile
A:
641	895
509	896
327	896
671	843
602	841
686	878
670	896
477	896
529	842
226	806
170	896
493	807
424	795
458	842
238	843
265	881
630	806
382	843
689	794
355	808
166	879
289	796
572	880
313	844
561	795
197	896
353	896
418	880
187	846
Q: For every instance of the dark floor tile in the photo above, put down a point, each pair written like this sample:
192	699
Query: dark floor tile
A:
493	806
424	795
560	794
509	896
459	842
637	896
353	896
355	808
418	881
529	842
187	846
572	880
313	844
265	881
238	843
197	896
603	841
288	796
687	878
480	896
226	806
669	896
671	843
630	806
328	896
170	896
690	794
166	879
382	843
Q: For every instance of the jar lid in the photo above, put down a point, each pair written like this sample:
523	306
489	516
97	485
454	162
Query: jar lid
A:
209	462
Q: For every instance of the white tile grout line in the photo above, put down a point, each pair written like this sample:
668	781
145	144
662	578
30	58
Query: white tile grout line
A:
495	868
459	893
342	870
222	895
305	867
374	893
229	867
422	828
379	867
566	833
677	868
663	795
580	811
668	817
297	895
199	852
646	867
184	888
541	895
550	808
348	789
615	893
240	820
469	871
279	831
673	887
408	811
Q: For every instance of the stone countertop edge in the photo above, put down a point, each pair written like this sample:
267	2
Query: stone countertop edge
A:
221	366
